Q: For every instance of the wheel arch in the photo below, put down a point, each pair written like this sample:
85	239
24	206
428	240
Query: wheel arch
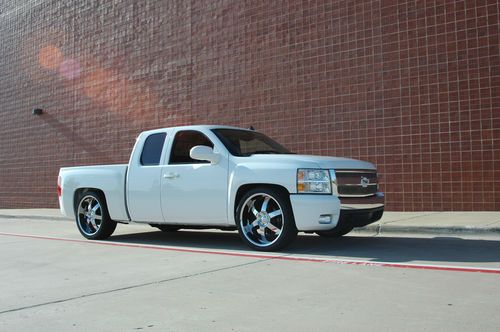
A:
107	225
244	188
78	192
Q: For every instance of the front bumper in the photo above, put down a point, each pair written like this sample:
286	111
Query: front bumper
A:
308	210
360	211
359	218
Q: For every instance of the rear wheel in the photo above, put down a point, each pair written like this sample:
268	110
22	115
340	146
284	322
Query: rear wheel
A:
92	217
265	220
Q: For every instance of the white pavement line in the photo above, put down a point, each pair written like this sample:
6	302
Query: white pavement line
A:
284	257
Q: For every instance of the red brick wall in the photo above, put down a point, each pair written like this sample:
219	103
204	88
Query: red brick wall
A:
412	86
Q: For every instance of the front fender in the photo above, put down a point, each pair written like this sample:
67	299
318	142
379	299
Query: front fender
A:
279	175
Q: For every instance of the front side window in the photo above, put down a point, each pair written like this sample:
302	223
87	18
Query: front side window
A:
151	152
244	143
183	143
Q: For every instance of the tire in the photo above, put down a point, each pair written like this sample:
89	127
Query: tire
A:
265	219
92	217
336	232
166	228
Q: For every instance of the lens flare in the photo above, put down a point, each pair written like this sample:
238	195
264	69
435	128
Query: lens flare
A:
69	69
96	84
50	57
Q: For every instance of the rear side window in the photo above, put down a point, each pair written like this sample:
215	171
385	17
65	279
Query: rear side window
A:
183	142
151	152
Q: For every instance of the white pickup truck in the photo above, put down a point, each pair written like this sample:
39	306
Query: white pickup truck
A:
222	177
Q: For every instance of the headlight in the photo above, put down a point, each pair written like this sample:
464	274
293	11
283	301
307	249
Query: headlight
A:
313	181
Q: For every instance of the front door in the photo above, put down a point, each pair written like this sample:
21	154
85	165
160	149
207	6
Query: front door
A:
193	192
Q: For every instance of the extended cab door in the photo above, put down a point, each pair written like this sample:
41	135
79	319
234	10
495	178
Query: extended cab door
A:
194	192
144	178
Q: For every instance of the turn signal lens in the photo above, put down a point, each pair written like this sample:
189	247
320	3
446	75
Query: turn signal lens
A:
313	181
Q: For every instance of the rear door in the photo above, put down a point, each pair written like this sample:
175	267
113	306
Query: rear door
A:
144	179
194	192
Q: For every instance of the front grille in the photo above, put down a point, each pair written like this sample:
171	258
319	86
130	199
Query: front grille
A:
356	183
356	190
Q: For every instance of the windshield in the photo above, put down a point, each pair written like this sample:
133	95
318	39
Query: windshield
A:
244	143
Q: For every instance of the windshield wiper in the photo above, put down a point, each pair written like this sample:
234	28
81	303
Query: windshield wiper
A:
265	152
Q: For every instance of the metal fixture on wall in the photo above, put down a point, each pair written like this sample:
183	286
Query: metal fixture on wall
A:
37	111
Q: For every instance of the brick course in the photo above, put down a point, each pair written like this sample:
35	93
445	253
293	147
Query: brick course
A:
413	86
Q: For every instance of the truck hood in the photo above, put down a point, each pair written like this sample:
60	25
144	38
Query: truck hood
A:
310	161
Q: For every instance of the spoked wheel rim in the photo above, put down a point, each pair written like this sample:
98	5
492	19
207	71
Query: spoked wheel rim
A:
89	215
261	220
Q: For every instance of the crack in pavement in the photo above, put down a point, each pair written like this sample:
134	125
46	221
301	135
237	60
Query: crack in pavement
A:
492	223
410	218
134	286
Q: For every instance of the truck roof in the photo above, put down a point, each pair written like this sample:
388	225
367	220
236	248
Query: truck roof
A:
193	127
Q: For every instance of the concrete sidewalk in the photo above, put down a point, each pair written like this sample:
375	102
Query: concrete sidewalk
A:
438	223
391	222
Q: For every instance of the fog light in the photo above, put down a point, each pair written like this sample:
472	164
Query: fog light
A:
325	219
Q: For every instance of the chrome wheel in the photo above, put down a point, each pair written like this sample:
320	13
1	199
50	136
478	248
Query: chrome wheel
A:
89	215
261	220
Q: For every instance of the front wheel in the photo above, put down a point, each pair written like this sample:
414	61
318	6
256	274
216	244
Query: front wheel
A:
92	217
265	219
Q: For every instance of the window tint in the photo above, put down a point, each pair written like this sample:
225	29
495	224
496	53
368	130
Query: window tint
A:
183	142
244	143
151	152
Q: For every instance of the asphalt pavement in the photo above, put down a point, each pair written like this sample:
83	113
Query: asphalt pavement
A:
144	279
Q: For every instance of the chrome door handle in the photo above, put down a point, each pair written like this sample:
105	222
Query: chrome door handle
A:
171	176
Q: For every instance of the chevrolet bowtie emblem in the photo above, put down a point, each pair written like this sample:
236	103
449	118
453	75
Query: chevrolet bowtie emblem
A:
364	181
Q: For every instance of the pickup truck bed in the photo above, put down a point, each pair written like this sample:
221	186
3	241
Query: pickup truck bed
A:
109	179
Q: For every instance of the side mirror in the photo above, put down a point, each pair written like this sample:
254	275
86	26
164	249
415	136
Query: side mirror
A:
205	153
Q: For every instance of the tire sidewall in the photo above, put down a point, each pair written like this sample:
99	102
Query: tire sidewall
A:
289	231
106	221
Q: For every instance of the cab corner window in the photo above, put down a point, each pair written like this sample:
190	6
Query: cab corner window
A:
151	152
183	143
